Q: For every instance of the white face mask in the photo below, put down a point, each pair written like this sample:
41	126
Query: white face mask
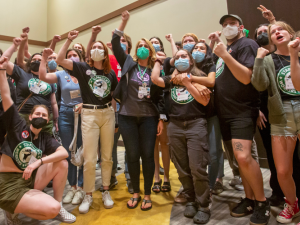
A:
230	32
97	54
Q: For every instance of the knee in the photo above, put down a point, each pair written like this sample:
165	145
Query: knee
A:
52	210
63	164
283	173
243	160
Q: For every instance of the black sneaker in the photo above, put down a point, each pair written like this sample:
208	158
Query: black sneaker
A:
275	200
261	214
113	183
218	188
245	207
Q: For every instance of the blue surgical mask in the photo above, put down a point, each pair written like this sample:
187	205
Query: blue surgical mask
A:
156	47
123	46
198	56
52	65
182	64
189	47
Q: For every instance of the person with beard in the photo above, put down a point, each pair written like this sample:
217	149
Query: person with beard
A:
237	108
24	172
30	89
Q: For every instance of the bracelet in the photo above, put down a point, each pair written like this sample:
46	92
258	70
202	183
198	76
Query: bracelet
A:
42	162
157	60
70	40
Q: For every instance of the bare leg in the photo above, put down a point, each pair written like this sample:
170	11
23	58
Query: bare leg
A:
283	150
57	171
249	167
248	190
38	205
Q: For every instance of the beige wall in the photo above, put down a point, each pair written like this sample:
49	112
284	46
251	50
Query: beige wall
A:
160	18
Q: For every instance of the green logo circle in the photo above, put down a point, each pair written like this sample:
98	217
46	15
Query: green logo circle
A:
45	88
102	84
177	91
284	81
23	153
220	67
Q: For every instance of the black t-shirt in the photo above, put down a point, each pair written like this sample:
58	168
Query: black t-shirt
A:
95	85
283	77
19	143
24	81
233	98
180	103
12	95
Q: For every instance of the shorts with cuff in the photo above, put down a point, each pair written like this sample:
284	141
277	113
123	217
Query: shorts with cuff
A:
12	189
292	128
238	128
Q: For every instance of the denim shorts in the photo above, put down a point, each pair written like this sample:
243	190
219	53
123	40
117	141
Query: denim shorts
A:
292	128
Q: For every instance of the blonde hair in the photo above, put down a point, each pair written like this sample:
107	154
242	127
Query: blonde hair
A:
191	35
152	54
284	26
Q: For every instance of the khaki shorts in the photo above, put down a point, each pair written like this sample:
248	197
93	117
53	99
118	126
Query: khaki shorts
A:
12	189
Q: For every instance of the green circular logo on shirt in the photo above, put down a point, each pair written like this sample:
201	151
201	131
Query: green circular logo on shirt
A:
100	86
284	81
181	95
45	88
23	153
220	67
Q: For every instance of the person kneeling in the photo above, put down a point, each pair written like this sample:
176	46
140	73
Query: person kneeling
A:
24	172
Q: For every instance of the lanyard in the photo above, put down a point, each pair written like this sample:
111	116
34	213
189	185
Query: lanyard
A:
142	75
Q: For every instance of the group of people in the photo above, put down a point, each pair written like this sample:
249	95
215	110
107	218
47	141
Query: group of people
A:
183	106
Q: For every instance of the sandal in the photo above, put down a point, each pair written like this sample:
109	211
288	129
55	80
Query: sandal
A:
146	201
166	187
157	186
134	200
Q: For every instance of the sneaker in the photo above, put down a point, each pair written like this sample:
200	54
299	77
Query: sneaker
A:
113	183
218	188
130	187
235	181
244	208
275	200
69	196
180	198
107	201
261	214
289	212
86	204
79	195
65	216
119	167
11	219
239	187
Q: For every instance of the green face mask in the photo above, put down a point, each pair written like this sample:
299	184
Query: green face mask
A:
142	53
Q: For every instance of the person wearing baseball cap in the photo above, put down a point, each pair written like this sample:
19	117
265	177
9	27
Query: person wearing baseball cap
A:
237	108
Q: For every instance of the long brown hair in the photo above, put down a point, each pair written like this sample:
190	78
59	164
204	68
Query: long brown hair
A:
106	62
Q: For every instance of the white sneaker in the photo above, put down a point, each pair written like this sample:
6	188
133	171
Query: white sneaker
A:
86	204
69	196
78	197
108	203
65	216
11	219
98	167
235	181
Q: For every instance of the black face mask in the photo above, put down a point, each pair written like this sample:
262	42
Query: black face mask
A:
263	39
38	122
35	66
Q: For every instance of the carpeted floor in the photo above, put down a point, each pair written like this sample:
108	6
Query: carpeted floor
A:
121	215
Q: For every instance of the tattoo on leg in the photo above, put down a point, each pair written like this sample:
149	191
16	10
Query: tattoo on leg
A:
238	146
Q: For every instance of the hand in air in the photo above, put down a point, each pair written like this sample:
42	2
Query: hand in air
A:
261	52
56	38
202	41
220	50
96	29
125	16
169	37
160	56
17	41
24	36
3	62
266	13
73	34
26	30
109	45
47	52
215	36
294	46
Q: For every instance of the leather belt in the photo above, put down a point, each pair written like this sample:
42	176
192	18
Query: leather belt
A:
97	106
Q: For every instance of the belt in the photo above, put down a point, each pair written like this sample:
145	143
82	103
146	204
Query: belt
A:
97	106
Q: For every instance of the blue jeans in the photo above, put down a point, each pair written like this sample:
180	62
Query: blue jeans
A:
139	135
66	131
216	167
